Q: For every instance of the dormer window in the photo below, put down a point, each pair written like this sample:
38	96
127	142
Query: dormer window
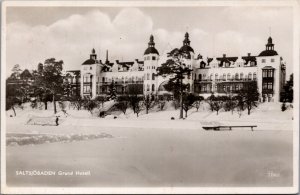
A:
91	68
272	60
263	61
153	58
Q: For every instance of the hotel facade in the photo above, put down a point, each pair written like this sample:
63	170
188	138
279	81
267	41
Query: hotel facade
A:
218	75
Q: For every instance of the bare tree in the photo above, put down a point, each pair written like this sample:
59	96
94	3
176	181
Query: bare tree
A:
148	102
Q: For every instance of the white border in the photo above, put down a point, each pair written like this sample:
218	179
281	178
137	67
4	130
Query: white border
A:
174	190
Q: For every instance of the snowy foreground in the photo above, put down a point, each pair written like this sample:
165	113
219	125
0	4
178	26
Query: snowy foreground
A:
150	150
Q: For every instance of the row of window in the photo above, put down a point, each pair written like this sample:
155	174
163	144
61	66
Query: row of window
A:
87	68
149	58
150	67
264	60
236	76
269	73
221	88
268	85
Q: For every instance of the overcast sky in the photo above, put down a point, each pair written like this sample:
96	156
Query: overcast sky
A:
69	33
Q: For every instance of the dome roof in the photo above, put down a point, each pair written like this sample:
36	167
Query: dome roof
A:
89	62
268	53
151	49
186	48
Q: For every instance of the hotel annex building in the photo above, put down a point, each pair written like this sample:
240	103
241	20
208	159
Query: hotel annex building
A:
221	75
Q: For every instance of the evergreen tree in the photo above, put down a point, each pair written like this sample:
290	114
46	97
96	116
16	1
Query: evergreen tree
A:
188	101
288	94
49	79
176	67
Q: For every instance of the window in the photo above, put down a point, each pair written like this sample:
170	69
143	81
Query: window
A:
86	89
237	76
270	86
241	76
200	77
153	76
272	60
211	77
254	76
228	76
216	76
250	76
263	60
224	76
153	87
148	76
153	58
148	87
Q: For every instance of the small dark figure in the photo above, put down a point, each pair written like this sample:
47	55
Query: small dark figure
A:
115	117
56	120
172	118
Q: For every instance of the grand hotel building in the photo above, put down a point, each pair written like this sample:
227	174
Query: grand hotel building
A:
221	75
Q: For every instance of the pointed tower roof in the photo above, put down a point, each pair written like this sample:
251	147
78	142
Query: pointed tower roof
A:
151	47
186	44
269	49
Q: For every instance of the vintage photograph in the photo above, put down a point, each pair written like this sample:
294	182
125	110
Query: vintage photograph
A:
149	97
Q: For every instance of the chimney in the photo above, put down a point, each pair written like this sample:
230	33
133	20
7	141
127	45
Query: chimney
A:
249	54
224	55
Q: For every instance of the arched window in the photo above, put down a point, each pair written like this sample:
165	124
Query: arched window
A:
153	76
153	87
241	76
250	76
211	77
254	76
224	76
148	76
237	76
228	76
216	76
200	77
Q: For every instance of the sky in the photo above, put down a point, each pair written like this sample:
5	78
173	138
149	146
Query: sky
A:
69	33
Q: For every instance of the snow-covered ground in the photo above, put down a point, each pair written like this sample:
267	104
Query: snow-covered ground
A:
151	150
267	116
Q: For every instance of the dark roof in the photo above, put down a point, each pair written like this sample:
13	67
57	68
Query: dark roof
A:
186	44
127	64
225	59
139	62
186	48
268	53
151	50
151	47
89	62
